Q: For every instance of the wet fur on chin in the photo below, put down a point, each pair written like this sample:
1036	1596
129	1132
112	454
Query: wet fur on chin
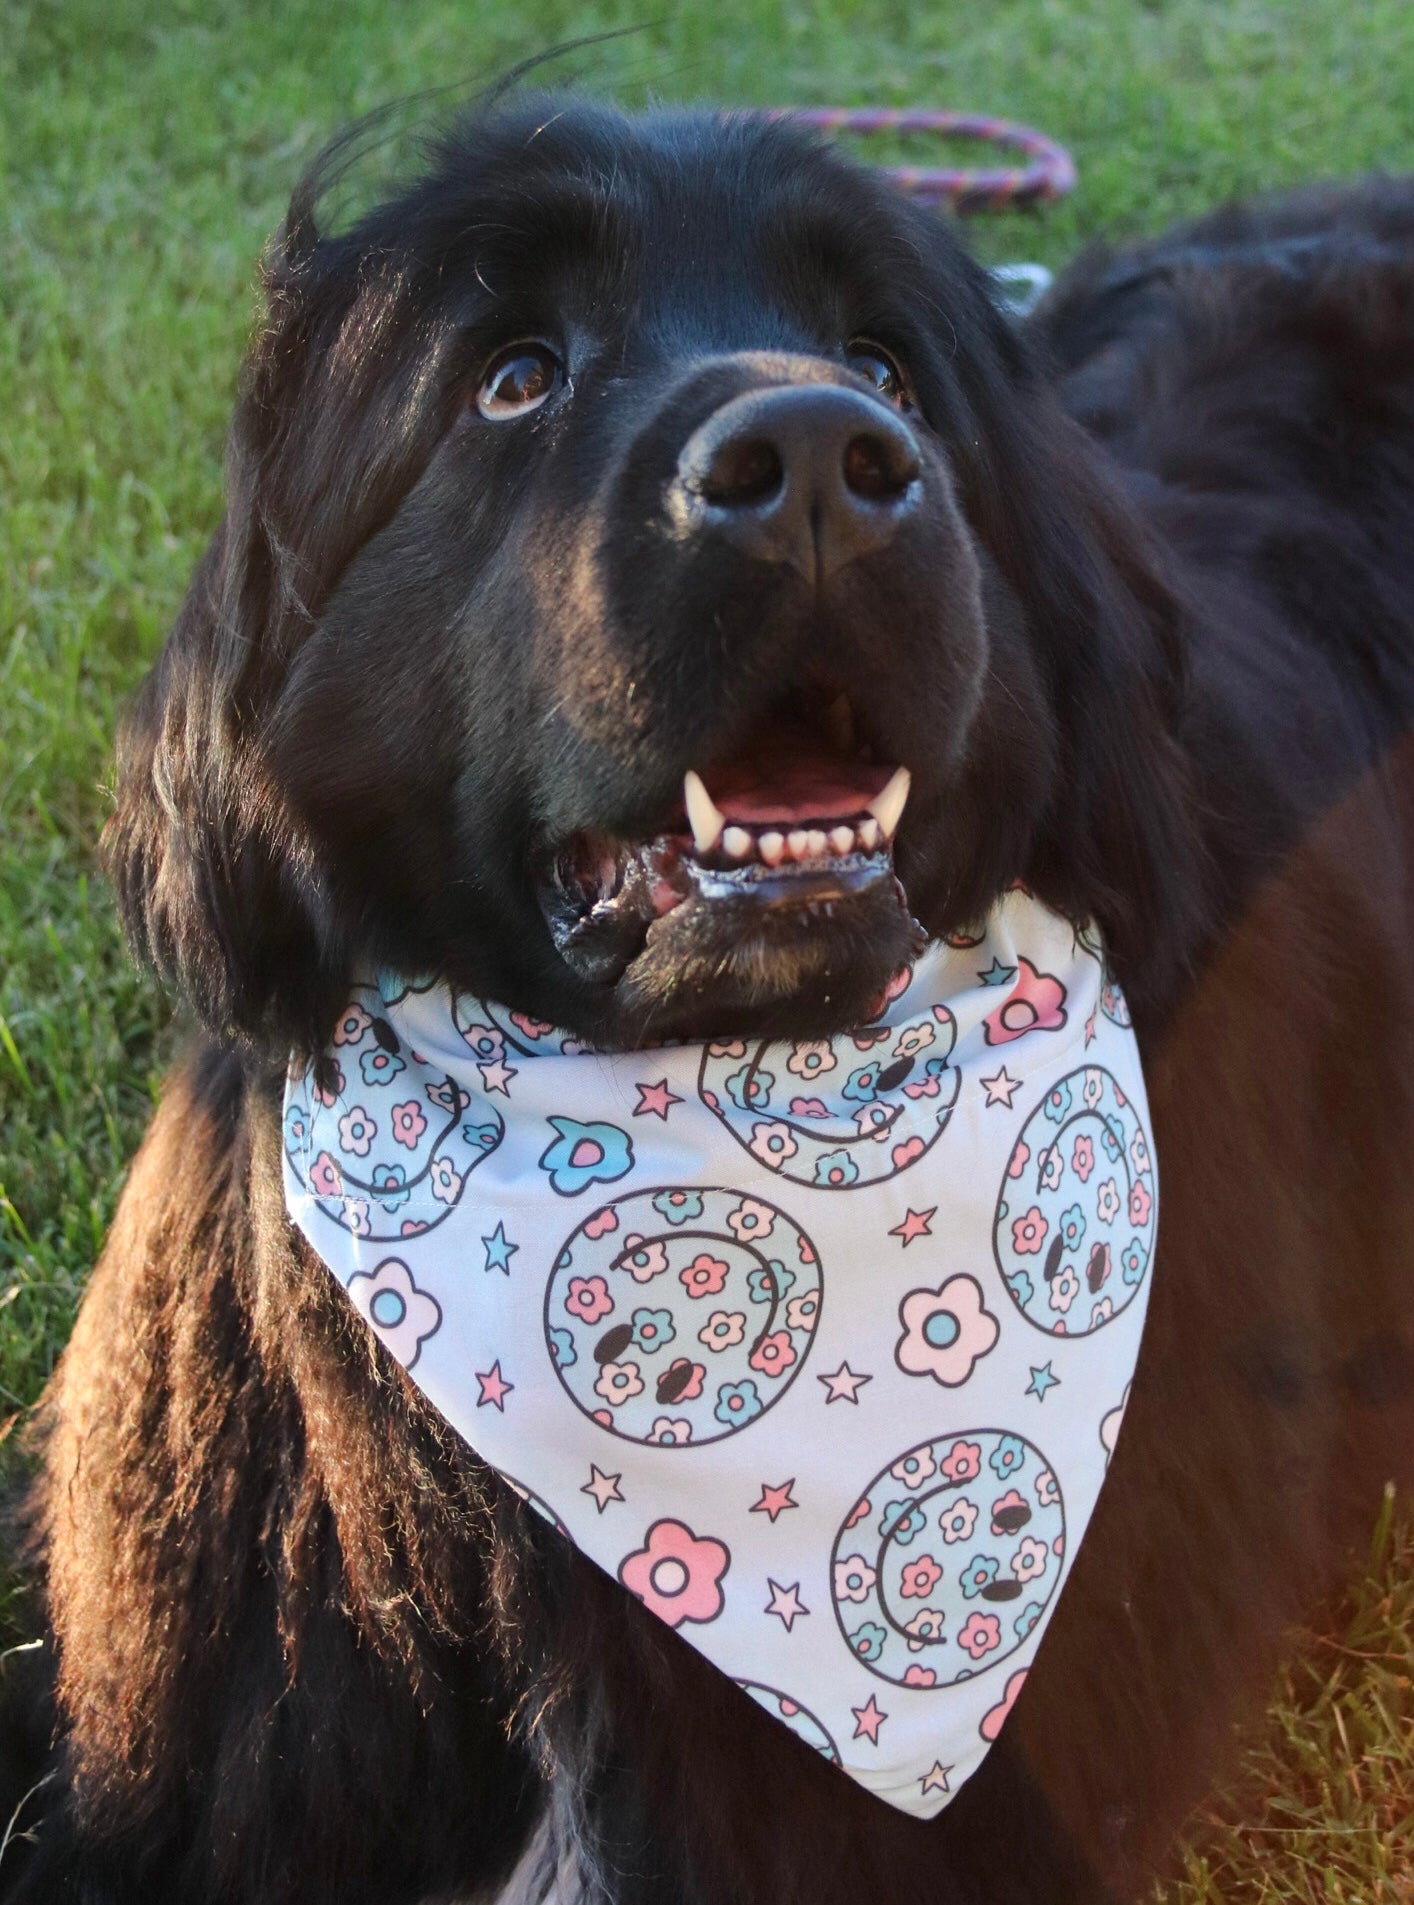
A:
306	1647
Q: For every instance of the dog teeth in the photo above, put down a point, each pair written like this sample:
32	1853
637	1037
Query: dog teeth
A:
738	844
817	844
772	848
703	814
842	840
887	808
798	843
869	834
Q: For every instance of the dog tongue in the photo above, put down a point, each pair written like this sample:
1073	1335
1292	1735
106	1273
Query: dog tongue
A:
788	777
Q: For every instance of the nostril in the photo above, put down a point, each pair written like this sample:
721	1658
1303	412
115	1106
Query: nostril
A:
742	472
877	467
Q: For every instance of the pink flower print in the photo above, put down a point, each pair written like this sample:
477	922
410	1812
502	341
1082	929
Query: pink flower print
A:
726	1048
602	1223
401	1315
643	1261
945	1331
324	1178
811	1057
751	1221
1065	1287
1082	1157
916	1676
1093	1088
874	1121
861	1512
445	1181
356	1216
995	1718
704	1276
618	1382
357	1132
1140	1203
1029	1561
1111	1424
1028	1233
854	1578
588	1298
1139	1152
801	1311
353	1023
446	1094
723	1329
408	1124
774	1354
927	1624
772	1145
958	1520
1103	1312
670	1433
914	1039
920	1577
682	1381
1107	1201
1005	1519
915	1468
1035	1004
532	1028
677	1574
1020	1158
809	1108
330	1094
1046	1491
963	1462
981	1634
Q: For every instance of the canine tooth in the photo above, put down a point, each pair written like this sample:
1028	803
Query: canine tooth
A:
798	843
842	840
887	808
737	843
817	845
772	848
839	718
869	835
703	814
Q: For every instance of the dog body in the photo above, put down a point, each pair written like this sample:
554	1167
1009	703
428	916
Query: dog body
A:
1130	596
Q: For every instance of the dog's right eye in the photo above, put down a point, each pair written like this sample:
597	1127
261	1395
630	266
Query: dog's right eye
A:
518	380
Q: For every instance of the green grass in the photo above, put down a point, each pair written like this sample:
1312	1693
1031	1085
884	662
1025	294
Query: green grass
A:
145	152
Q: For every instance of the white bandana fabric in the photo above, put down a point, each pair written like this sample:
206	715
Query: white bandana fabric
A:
820	1348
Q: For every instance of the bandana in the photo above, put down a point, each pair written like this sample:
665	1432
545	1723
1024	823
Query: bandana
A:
820	1348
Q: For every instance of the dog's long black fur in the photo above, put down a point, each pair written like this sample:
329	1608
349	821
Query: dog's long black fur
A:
1148	647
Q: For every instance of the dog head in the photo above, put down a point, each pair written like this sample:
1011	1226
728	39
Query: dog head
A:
656	587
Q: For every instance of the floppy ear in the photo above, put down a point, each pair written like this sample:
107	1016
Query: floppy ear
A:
219	885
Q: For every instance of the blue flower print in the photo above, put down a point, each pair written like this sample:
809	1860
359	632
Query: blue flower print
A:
980	1572
388	1183
772	1282
678	1207
1058	1103
1135	1261
737	1402
836	1168
652	1329
1020	1285
1026	1619
1072	1225
750	1088
562	1348
585	1154
1112	1140
380	1067
902	1521
863	1085
868	1639
296	1128
485	1136
1007	1456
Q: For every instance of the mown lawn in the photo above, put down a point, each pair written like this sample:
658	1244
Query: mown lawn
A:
145	152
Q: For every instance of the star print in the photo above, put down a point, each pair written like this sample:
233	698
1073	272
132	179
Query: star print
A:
1042	1379
604	1488
1090	1030
775	1501
914	1225
997	974
999	1088
499	1250
935	1780
786	1602
870	1720
656	1099
843	1385
494	1388
497	1077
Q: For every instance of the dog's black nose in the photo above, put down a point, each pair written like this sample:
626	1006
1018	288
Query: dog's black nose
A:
810	474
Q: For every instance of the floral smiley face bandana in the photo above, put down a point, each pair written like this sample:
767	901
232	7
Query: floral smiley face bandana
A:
820	1348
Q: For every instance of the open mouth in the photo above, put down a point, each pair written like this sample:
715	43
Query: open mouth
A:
791	831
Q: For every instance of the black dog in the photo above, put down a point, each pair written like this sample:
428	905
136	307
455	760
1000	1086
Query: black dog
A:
505	555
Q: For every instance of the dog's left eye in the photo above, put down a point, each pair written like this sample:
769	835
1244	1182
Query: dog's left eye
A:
872	361
518	380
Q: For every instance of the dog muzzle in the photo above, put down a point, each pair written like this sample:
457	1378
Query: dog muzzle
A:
819	1347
